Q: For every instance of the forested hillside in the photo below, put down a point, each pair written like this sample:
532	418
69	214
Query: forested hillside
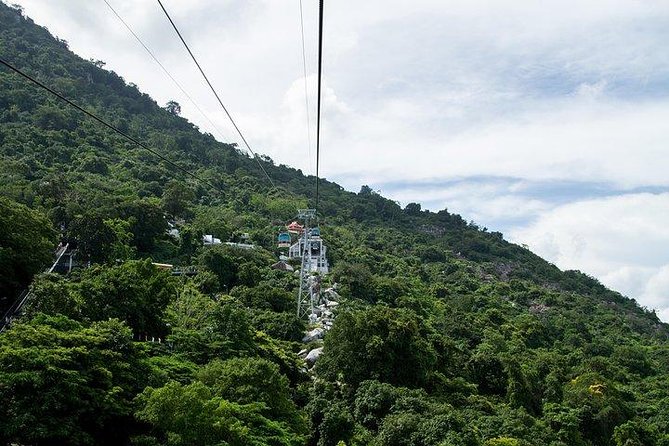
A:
445	334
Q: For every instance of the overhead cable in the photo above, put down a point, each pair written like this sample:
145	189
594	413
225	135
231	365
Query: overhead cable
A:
241	135
318	116
166	71
103	122
306	93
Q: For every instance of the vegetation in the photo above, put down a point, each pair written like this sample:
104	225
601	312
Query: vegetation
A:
445	333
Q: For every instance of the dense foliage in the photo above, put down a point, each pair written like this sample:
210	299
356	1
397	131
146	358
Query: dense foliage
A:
445	333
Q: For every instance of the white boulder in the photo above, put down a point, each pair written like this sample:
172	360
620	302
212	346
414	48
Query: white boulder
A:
313	335
313	355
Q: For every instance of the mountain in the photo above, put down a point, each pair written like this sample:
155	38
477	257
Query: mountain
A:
444	333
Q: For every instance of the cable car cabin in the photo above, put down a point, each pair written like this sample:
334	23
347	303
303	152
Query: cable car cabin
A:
284	240
295	227
315	232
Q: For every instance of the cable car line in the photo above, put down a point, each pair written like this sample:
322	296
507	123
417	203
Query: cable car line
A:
166	71
105	123
215	93
306	93
318	116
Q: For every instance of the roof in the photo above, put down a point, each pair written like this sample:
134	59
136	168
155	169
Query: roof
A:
283	266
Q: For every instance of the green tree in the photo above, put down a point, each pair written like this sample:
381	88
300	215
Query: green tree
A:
177	198
285	326
192	415
173	107
375	400
136	292
249	380
386	344
121	248
94	238
266	297
202	329
635	433
52	294
356	280
26	247
147	222
602	406
63	383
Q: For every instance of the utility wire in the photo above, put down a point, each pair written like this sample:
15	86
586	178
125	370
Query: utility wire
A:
176	83
215	93
103	122
318	117
306	93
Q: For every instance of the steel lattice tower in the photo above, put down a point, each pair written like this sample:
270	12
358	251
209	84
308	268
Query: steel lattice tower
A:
306	296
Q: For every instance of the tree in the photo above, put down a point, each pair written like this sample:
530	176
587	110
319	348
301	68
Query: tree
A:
191	310
26	247
602	406
136	292
202	329
94	238
375	400
173	107
147	222
251	380
266	297
192	415
366	190
121	248
635	433
285	326
234	266
52	294
386	344
412	209
63	383
356	280
221	262
177	198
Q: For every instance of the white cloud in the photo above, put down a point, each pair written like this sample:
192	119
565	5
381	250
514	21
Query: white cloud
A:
592	90
484	201
622	240
432	89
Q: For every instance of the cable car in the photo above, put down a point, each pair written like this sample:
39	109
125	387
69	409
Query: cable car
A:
284	240
295	227
315	232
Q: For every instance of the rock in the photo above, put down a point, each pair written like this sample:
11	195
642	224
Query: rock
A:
302	352
332	303
331	294
313	355
313	335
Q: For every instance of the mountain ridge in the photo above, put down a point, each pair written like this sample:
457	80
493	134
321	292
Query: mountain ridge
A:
504	345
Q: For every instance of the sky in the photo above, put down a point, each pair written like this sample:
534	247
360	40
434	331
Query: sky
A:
546	120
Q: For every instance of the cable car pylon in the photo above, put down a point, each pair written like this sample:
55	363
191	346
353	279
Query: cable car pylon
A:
312	253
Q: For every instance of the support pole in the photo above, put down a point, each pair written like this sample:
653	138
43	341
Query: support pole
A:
305	296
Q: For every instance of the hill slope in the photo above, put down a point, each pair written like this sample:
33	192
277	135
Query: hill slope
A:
445	333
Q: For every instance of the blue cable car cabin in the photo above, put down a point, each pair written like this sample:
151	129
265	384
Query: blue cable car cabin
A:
284	240
316	232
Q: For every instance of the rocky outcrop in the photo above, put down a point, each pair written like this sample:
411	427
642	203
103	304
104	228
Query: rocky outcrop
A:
321	320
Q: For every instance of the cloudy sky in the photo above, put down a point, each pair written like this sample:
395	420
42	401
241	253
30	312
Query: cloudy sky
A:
548	121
